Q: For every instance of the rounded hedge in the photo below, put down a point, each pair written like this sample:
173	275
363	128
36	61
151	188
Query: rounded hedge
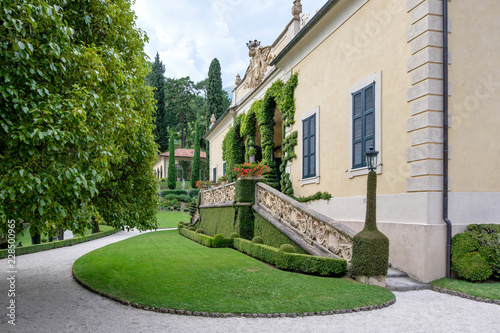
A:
184	198
287	248
218	241
191	229
258	240
234	235
200	231
473	267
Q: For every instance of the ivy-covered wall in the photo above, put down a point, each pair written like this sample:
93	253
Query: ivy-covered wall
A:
271	235
219	220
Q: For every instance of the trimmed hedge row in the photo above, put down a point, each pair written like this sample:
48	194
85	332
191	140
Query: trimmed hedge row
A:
217	221
297	262
271	235
57	244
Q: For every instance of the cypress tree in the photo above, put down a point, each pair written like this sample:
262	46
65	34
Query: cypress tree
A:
156	79
195	172
215	100
171	180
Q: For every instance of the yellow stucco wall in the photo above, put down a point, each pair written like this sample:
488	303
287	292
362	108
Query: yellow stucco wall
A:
216	153
325	77
475	100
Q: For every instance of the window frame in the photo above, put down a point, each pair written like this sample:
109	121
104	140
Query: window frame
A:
374	79
314	112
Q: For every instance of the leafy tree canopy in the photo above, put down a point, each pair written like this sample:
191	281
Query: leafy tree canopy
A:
75	116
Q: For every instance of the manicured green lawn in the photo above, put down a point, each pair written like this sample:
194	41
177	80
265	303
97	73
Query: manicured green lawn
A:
25	236
171	219
164	269
484	290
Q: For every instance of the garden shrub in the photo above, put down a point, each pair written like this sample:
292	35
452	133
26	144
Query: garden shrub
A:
287	248
258	240
296	262
221	241
473	267
234	235
200	231
184	198
194	193
191	229
171	196
245	222
482	240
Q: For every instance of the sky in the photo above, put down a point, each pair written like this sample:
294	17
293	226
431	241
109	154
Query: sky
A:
189	34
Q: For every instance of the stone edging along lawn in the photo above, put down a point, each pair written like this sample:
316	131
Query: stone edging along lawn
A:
464	295
228	315
57	244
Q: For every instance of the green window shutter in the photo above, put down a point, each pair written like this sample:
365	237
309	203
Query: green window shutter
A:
363	124
309	147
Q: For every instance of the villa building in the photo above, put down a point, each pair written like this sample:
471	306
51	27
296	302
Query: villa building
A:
417	79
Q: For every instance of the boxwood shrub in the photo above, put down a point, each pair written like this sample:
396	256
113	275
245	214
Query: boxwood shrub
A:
296	262
475	253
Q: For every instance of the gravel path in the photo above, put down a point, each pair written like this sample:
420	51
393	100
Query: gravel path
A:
49	300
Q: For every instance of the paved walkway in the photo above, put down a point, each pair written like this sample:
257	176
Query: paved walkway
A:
49	300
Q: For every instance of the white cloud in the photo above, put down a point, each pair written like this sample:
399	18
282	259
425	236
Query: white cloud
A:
189	34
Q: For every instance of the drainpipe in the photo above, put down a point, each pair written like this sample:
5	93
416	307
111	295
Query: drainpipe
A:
445	138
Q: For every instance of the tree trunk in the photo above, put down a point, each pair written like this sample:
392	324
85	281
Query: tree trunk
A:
95	229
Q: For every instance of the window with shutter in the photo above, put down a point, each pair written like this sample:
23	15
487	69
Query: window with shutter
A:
363	124
309	147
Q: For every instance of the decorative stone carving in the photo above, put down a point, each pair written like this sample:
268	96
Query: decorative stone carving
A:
260	58
304	19
312	228
238	80
221	194
296	9
212	120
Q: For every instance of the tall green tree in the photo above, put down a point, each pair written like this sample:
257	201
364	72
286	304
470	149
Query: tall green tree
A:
171	177
156	79
215	100
195	171
76	120
178	95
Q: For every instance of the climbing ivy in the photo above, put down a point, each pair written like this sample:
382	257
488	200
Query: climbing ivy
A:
248	129
233	148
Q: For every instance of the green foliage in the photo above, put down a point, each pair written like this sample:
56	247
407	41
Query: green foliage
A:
233	149
57	244
258	240
178	96
292	261
194	193
249	129
315	196
195	172
200	231
234	235
483	240
171	177
191	229
484	290
197	237
185	198
271	235
156	79
175	192
370	249
245	221
245	190
215	95
472	267
184	164
76	117
219	241
287	248
217	220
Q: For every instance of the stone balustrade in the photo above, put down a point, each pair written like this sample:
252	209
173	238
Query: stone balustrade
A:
318	230
221	195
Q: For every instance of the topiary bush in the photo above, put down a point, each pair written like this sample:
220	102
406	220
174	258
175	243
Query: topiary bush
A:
476	242
220	241
258	240
191	229
473	267
185	198
287	248
234	235
200	231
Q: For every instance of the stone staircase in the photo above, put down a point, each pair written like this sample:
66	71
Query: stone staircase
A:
400	281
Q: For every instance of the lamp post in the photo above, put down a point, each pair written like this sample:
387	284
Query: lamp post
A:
371	156
370	257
